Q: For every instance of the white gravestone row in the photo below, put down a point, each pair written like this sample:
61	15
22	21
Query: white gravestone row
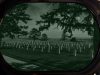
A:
75	46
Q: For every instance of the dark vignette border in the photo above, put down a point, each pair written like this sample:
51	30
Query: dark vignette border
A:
94	67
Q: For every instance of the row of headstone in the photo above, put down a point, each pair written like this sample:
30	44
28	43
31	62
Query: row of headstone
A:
68	46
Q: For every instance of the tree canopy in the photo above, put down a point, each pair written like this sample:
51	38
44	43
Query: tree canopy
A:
35	34
44	37
69	16
10	22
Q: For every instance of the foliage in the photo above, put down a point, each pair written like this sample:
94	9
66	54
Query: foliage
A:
24	33
10	22
35	34
73	39
66	16
44	37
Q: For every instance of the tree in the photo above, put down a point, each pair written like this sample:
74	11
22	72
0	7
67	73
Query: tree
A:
66	16
35	34
24	33
44	37
10	22
73	39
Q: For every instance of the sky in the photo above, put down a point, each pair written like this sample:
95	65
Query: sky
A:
37	9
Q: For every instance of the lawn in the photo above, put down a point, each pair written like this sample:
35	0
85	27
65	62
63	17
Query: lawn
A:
50	61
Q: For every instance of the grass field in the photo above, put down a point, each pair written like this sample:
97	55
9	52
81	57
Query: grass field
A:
49	55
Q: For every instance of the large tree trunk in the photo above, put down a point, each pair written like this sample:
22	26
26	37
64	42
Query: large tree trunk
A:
63	35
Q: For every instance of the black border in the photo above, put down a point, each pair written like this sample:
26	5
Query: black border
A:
93	68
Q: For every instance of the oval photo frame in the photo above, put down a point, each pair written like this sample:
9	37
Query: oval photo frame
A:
92	68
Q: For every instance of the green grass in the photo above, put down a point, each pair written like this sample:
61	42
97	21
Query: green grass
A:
49	61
